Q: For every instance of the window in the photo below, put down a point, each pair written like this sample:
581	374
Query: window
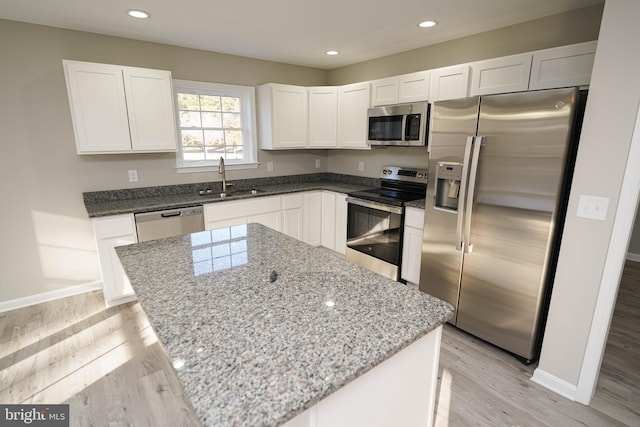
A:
214	121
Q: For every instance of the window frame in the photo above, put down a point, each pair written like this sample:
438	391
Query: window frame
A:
248	115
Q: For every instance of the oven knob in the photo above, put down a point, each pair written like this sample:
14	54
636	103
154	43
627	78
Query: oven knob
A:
384	171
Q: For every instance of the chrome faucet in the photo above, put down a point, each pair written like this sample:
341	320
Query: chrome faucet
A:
224	177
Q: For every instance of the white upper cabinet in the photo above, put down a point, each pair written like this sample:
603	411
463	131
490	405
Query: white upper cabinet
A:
563	66
449	83
323	117
353	102
152	122
384	91
411	87
414	87
283	116
118	109
500	75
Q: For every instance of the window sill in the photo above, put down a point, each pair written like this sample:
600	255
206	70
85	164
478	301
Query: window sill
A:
214	168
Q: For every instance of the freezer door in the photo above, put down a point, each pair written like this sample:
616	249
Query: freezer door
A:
520	170
453	128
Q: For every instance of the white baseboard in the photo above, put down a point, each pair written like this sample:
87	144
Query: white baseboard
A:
554	384
48	296
633	257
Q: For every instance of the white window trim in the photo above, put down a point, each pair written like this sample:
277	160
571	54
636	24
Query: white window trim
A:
247	93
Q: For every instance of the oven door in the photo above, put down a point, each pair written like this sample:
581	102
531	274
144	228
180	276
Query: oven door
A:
374	236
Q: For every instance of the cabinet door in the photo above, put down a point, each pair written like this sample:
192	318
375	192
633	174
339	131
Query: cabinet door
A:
341	223
323	117
313	218
293	215
412	245
283	116
500	75
414	87
111	232
563	66
384	91
329	220
98	107
449	83
150	106
353	102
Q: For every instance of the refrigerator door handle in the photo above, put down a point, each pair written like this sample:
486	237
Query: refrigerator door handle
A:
463	189
470	193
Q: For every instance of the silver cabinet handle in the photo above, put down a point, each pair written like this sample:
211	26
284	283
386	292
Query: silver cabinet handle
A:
470	195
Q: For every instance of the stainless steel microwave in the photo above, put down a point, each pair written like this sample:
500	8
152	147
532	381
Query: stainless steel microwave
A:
400	124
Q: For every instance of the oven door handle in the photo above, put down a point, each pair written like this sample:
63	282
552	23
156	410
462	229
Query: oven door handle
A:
374	205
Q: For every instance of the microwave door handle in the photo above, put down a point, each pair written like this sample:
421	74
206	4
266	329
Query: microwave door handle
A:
463	189
470	194
404	136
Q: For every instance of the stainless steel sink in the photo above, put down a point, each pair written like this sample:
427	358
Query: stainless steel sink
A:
209	192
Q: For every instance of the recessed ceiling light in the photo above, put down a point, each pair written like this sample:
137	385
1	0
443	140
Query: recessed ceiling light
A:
427	24
331	52
140	14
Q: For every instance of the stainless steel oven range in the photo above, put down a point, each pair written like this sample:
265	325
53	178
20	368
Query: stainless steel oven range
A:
375	219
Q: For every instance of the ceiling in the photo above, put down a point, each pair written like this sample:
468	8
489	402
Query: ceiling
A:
290	31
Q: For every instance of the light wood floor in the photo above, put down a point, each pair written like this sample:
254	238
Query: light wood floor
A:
110	368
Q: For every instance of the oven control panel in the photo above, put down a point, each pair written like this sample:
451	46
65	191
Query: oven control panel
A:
399	173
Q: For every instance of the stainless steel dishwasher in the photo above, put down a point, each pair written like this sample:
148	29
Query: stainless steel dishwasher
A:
167	223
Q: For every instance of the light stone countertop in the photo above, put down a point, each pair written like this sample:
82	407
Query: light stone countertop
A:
258	351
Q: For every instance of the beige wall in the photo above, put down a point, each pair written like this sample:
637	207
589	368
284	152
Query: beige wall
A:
610	116
567	28
634	244
48	242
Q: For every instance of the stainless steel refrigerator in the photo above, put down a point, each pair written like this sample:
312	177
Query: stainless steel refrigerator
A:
499	170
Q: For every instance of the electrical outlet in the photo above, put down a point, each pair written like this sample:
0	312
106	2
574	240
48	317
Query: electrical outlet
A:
317	163
269	166
133	175
593	207
360	166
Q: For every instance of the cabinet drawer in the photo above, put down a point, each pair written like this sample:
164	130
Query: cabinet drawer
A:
114	226
241	208
293	201
414	218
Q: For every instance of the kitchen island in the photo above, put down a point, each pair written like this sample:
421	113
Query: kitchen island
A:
264	330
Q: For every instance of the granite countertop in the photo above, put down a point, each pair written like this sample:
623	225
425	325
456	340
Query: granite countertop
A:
261	326
115	202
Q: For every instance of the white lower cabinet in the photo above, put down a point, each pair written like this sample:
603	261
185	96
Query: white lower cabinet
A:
110	232
334	221
412	246
313	218
293	215
400	391
263	210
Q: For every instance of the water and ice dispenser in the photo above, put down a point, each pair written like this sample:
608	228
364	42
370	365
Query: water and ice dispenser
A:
448	178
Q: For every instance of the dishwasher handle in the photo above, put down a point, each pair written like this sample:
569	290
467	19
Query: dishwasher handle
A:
168	214
171	214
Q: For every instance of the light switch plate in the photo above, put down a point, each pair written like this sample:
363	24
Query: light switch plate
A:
133	175
317	163
269	166
593	207
360	166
